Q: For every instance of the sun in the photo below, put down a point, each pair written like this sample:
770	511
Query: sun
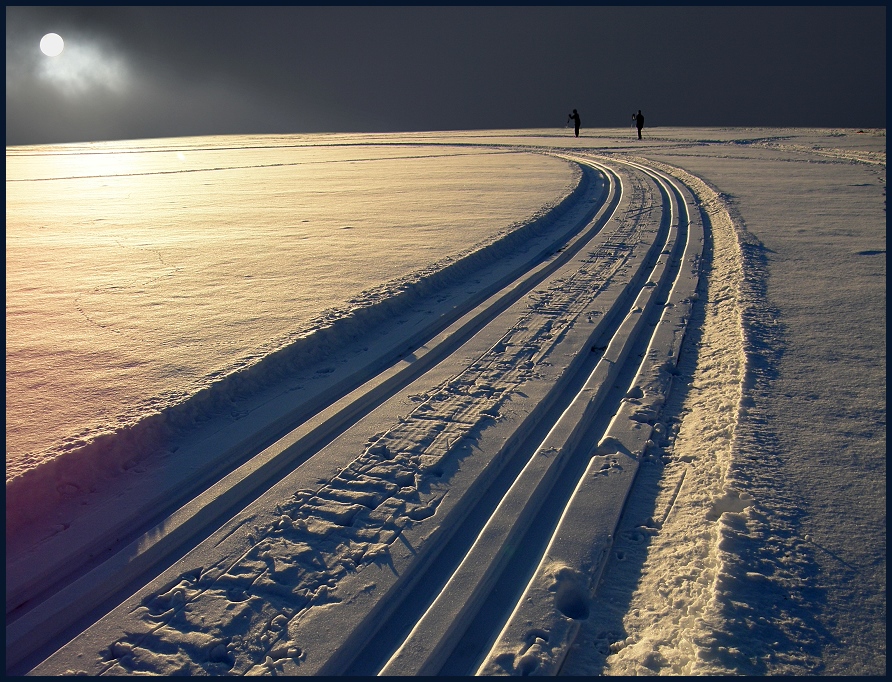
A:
52	44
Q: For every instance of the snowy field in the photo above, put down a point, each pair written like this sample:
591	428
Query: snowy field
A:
136	276
449	403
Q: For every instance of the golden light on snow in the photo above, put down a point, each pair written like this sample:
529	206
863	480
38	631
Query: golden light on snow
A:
52	44
140	247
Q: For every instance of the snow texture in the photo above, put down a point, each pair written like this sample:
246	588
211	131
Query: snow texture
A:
631	422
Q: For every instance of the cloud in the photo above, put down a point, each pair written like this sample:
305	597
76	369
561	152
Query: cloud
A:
83	68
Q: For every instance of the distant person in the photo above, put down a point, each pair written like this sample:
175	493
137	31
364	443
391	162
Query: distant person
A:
575	118
639	122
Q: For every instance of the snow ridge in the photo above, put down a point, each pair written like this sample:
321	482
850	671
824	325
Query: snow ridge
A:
763	554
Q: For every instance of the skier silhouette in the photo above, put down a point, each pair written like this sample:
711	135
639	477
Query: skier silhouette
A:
639	122
575	117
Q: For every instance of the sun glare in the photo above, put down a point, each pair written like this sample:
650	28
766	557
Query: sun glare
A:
52	44
87	66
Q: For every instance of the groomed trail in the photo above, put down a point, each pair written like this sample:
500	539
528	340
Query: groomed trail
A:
450	514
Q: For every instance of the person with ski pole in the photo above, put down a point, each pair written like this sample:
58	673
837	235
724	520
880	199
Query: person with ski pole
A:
575	118
639	122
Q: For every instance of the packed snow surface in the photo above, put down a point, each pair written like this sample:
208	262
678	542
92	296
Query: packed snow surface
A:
168	299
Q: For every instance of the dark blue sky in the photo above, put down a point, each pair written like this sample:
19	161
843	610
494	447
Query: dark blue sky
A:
129	72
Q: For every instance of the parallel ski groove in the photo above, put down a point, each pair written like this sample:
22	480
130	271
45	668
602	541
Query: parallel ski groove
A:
438	443
61	605
360	540
539	632
438	631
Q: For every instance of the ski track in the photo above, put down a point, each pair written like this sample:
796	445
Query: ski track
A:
302	580
671	623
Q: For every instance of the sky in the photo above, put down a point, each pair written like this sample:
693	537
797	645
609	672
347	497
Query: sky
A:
148	72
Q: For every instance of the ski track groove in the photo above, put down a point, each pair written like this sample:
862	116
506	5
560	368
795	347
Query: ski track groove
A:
543	626
258	607
48	614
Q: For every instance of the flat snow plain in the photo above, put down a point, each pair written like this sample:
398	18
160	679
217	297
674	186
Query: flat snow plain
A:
752	540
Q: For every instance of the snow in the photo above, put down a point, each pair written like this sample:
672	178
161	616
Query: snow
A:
140	282
780	602
118	283
747	534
